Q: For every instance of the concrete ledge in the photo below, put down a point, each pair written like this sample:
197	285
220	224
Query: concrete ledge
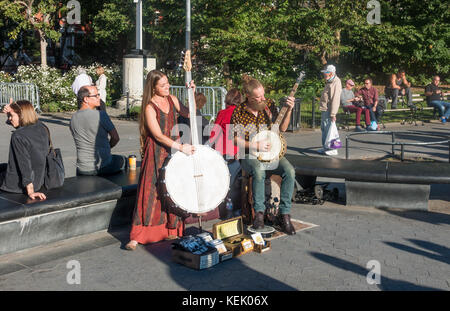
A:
387	195
32	231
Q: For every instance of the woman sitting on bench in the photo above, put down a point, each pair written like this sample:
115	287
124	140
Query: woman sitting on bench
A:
28	150
350	104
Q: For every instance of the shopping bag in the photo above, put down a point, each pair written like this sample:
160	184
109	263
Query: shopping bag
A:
332	140
373	126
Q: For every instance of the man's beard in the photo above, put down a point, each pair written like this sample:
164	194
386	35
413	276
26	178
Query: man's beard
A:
259	106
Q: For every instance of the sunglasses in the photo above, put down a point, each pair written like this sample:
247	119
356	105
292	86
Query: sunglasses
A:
95	95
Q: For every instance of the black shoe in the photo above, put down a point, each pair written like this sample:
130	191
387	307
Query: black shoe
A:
258	222
358	128
286	224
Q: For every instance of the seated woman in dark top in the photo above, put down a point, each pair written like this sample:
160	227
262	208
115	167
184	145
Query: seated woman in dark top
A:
29	146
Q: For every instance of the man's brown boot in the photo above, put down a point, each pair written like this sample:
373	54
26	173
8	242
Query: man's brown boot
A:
258	222
286	224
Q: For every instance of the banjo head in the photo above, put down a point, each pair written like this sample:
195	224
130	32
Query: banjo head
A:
205	172
278	146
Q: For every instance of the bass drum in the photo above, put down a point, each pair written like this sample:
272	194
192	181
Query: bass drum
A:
204	192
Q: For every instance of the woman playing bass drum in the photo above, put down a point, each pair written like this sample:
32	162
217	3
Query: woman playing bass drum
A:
152	222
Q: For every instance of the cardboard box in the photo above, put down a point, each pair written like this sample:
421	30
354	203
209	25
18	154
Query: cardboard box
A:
263	248
231	232
261	245
224	254
198	262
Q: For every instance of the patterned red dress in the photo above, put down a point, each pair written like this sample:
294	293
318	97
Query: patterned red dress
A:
152	217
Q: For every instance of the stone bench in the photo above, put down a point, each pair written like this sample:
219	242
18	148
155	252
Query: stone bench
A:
85	204
376	183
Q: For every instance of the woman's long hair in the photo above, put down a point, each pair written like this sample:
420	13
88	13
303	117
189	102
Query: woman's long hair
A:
149	90
233	98
25	111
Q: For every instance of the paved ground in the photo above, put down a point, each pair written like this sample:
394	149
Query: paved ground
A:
412	248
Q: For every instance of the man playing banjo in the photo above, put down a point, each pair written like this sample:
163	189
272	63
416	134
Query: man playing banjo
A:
253	115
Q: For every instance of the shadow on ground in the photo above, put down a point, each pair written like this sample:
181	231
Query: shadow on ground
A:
385	284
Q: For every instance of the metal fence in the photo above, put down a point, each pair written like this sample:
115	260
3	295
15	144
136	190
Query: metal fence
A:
19	91
215	98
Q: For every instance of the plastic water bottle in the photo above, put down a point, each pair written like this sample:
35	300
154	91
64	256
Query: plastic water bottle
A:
229	207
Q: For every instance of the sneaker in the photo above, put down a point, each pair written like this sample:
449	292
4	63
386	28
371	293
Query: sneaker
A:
443	120
332	152
358	128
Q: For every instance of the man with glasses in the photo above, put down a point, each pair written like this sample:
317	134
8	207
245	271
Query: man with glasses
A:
369	95
434	99
90	130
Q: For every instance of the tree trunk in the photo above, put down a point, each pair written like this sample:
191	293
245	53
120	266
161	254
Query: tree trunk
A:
226	74
44	44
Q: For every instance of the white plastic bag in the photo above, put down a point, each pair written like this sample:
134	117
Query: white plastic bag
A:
332	141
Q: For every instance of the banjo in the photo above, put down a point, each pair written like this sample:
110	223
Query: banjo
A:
274	137
196	183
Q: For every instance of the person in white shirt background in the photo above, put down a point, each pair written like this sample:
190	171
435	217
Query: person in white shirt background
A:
101	83
82	79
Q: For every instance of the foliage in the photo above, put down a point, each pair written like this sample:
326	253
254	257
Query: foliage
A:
55	89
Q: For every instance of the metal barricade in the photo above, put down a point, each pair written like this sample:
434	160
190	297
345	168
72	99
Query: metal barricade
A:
215	98
20	91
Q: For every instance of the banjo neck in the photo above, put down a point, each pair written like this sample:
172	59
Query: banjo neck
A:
191	100
283	110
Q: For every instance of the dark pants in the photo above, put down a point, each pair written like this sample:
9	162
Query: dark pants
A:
393	93
118	163
374	115
358	111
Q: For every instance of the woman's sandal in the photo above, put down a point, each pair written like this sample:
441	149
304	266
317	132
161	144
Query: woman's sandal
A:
131	246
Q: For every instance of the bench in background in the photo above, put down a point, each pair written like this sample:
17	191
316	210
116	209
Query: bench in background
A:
376	183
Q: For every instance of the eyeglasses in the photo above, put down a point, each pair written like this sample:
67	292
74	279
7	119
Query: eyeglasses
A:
95	95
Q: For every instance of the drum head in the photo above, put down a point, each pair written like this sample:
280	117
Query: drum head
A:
197	183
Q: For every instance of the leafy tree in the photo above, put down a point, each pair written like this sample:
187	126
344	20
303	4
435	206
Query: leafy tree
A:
38	15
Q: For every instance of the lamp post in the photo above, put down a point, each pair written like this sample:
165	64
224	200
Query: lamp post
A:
138	25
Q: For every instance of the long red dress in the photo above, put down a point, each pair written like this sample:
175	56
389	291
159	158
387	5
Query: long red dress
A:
152	217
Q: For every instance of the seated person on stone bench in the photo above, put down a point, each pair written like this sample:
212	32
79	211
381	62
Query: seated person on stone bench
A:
434	99
28	151
398	85
369	95
350	104
90	129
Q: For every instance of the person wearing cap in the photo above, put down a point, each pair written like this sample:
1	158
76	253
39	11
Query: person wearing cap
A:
349	103
329	104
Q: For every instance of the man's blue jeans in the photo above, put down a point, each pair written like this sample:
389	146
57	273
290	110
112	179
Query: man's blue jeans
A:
257	170
442	106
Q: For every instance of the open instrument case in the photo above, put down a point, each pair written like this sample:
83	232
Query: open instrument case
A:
231	232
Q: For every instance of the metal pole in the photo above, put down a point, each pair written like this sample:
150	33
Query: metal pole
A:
138	25
346	147
403	151
393	146
128	103
314	112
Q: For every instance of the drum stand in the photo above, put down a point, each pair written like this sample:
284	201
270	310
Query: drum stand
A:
200	223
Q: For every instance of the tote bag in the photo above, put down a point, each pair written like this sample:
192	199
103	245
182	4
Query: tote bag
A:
54	171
